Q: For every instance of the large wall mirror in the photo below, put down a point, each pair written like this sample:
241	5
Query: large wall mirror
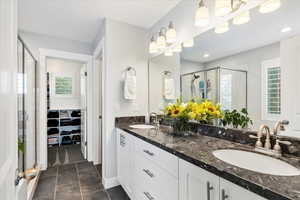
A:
254	66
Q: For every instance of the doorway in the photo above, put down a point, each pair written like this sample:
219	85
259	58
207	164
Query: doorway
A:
63	110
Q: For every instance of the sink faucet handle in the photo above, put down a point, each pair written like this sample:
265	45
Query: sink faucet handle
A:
258	142
285	142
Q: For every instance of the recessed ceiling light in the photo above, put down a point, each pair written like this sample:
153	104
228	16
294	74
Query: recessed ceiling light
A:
206	55
286	29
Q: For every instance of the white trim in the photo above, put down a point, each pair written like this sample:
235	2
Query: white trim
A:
110	182
99	141
42	147
264	67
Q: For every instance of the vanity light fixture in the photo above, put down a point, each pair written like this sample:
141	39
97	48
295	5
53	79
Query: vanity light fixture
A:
161	40
286	29
171	34
243	18
153	46
168	52
202	15
269	6
223	7
188	43
177	48
222	28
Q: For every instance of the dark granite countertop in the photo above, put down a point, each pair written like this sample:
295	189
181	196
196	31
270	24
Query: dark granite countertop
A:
198	149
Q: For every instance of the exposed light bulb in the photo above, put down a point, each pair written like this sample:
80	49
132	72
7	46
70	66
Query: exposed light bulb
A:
161	40
222	28
171	34
168	52
177	48
206	55
269	6
222	7
188	43
202	15
153	46
242	18
286	29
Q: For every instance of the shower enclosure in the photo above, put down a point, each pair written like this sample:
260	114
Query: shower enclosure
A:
219	85
26	85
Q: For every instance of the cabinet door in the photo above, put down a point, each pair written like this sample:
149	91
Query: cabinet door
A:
196	183
125	160
231	191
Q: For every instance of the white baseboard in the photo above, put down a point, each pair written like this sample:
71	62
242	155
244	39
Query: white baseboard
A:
110	182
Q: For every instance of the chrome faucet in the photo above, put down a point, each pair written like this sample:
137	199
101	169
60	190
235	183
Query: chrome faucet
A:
155	121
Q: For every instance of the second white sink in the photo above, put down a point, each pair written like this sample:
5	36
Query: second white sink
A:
141	126
256	162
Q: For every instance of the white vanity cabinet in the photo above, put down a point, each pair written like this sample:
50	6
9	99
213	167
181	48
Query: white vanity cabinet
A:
196	183
231	191
125	160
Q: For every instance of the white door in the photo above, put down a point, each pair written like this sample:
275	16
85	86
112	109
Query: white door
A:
290	62
230	191
83	89
8	96
98	106
196	183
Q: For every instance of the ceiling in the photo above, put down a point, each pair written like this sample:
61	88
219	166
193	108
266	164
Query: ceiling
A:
263	29
80	20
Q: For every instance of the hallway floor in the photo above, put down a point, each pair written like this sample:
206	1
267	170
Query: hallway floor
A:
81	181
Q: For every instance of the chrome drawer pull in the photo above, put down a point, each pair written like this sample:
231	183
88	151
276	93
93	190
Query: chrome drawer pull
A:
209	188
148	195
147	171
224	195
149	153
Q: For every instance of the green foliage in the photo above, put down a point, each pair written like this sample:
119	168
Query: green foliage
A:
21	146
237	118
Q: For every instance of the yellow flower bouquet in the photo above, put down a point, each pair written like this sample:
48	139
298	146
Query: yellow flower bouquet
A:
202	111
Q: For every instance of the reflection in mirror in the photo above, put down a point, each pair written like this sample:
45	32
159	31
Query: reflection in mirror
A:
253	66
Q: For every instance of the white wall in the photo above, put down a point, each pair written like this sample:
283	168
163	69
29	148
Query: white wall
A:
187	66
35	41
67	68
8	96
125	45
251	61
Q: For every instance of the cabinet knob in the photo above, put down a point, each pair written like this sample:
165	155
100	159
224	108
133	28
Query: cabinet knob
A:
148	172
224	195
149	153
148	195
209	188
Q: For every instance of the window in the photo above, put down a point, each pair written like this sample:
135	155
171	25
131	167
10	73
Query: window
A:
271	82
226	91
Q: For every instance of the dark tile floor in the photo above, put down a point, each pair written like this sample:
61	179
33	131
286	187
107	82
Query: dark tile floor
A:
79	181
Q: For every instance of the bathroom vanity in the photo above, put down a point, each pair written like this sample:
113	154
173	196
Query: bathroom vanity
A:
154	165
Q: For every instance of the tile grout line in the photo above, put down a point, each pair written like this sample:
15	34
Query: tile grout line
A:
56	181
77	171
100	177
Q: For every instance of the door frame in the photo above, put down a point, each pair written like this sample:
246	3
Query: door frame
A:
101	142
42	112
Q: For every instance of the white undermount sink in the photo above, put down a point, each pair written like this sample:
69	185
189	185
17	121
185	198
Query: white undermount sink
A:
256	162
141	126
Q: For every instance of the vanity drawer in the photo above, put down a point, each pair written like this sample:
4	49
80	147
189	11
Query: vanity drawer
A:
162	158
151	176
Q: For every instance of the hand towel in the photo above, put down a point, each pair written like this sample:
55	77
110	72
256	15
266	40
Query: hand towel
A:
169	89
130	87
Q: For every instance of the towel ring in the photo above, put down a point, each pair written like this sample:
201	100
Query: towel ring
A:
131	69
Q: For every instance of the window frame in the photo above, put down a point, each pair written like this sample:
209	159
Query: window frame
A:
264	94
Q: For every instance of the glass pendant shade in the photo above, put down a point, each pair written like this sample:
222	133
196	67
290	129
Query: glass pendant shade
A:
222	28
161	41
202	16
171	34
177	48
153	46
269	6
188	43
242	18
222	7
168	52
